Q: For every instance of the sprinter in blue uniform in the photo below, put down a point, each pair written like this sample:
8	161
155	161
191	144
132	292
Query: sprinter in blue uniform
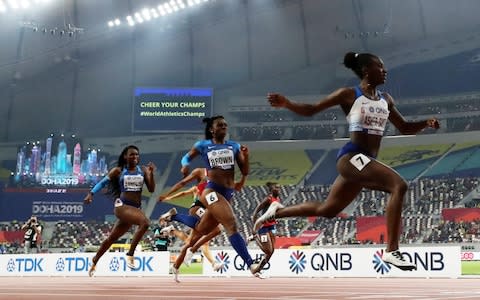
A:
125	182
220	156
367	110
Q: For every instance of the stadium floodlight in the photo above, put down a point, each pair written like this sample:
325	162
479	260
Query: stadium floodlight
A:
111	24
165	8
168	8
173	5
146	14
138	17
117	22
130	21
161	10
154	13
3	8
24	4
13	4
180	3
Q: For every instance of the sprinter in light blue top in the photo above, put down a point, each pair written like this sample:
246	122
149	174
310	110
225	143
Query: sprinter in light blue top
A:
125	183
220	156
367	111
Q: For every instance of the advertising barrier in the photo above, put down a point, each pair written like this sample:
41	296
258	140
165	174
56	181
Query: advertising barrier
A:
77	264
343	262
439	262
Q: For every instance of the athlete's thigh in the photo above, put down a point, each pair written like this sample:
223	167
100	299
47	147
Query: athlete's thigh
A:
368	172
217	206
130	214
119	229
207	223
272	240
264	241
182	235
342	193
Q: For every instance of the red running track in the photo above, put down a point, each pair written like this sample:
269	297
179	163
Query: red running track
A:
193	288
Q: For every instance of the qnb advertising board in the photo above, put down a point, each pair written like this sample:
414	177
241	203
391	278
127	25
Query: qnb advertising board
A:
171	109
342	262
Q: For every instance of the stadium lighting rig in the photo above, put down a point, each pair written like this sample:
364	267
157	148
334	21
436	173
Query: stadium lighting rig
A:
67	30
148	14
23	6
9	6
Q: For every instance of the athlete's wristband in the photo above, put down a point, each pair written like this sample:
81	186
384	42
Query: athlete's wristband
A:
100	185
186	159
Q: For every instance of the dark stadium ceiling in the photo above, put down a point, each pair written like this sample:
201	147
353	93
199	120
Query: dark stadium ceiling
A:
37	34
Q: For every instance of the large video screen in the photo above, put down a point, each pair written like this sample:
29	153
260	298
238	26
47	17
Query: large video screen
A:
171	109
58	161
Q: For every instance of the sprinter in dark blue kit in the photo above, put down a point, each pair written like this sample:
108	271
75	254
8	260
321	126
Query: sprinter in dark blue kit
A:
220	156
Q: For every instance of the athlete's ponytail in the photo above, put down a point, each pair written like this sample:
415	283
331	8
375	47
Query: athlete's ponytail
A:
356	62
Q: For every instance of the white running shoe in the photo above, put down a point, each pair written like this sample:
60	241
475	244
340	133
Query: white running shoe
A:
396	258
131	262
250	238
217	266
255	272
188	257
167	229
175	274
168	215
270	213
91	271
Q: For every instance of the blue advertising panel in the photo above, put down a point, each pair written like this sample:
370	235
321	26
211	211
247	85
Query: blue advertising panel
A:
171	109
53	205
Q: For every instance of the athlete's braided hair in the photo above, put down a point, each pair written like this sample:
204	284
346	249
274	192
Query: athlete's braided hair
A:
209	125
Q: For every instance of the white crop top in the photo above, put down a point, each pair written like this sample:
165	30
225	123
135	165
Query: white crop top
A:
368	115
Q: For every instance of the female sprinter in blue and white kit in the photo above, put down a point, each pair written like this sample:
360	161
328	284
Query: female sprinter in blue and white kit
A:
265	236
125	185
367	110
220	156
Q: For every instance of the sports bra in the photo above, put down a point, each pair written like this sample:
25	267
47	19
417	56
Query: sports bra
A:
368	115
131	181
218	156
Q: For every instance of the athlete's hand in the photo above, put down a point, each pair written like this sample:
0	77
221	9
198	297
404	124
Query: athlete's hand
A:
151	167
185	171
161	198
238	186
88	199
433	123
244	150
277	100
